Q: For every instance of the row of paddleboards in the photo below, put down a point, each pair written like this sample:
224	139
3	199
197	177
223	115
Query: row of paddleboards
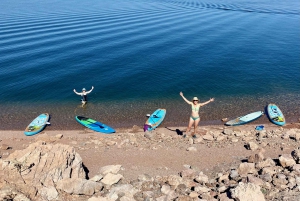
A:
273	112
155	119
39	123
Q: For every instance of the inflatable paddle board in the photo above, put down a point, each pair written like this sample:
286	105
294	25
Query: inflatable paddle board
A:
275	115
244	119
155	119
37	125
94	125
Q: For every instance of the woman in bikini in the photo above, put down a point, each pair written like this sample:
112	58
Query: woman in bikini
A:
195	118
84	94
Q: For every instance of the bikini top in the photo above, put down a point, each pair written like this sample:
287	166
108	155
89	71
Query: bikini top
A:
195	108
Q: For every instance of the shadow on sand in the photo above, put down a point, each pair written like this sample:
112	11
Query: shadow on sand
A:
179	132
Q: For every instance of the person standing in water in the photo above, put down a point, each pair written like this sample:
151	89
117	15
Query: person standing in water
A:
84	94
194	118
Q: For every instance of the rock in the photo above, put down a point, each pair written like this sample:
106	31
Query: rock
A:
49	193
182	189
188	174
165	189
149	134
246	168
110	179
255	180
265	163
79	186
269	170
280	180
41	166
99	199
256	158
59	136
114	169
234	140
247	192
198	140
286	160
202	189
224	197
228	131
4	147
224	177
221	189
293	134
174	180
126	190
162	198
149	186
296	169
208	137
234	174
201	178
252	146
111	143
296	155
224	119
97	178
9	194
186	166
220	138
215	134
266	177
193	195
191	149
145	177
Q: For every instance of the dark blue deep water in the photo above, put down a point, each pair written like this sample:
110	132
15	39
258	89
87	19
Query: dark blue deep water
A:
139	54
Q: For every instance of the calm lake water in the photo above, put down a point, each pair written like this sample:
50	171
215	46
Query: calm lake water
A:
139	54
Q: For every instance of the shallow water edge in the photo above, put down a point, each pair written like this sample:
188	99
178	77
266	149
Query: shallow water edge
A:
125	114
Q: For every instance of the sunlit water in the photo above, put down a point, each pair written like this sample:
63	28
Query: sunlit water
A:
140	54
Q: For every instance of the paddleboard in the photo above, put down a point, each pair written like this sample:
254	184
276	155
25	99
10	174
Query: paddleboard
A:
244	119
37	125
155	119
94	125
275	115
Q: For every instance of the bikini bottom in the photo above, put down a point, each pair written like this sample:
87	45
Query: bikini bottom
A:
195	118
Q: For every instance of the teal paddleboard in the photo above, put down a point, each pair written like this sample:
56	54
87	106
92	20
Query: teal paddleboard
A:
37	125
155	119
275	115
244	119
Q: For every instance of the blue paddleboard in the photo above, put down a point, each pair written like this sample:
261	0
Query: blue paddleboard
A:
94	125
244	119
155	119
275	115
37	125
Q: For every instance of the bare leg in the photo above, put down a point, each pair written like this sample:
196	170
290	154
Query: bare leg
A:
83	103
196	125
191	122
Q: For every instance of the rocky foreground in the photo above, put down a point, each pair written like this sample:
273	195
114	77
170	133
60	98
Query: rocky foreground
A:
49	169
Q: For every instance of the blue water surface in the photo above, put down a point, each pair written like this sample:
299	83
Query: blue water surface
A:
137	52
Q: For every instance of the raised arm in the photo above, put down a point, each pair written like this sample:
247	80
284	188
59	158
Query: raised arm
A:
186	100
90	90
210	100
77	92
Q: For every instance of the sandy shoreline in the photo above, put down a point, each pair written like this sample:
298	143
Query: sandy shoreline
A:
139	155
